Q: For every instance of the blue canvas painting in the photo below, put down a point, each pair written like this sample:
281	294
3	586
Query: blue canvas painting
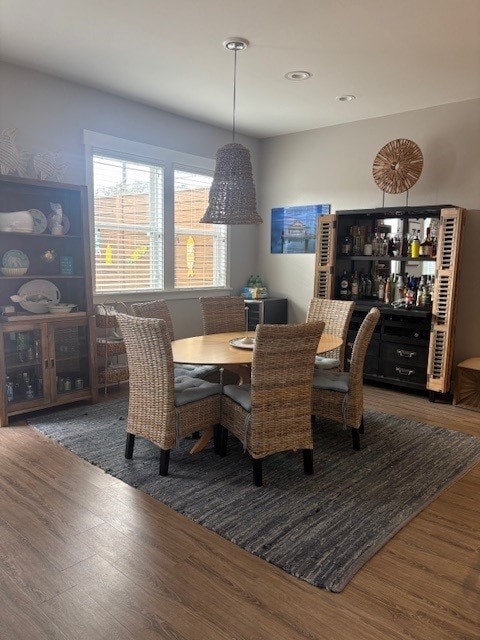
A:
294	228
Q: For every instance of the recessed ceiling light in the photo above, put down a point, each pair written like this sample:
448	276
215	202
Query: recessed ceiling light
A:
298	75
346	98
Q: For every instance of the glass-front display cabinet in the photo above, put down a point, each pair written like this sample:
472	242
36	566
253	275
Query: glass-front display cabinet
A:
47	326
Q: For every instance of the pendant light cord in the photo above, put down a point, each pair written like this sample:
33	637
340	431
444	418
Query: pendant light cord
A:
234	90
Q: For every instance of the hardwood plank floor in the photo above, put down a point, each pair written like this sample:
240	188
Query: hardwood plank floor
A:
84	556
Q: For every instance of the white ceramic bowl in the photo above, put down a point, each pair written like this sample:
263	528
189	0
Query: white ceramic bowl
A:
14	271
60	308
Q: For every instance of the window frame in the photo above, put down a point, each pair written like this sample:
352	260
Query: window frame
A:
169	160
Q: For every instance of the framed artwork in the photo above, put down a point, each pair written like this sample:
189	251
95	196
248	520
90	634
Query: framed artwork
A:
293	229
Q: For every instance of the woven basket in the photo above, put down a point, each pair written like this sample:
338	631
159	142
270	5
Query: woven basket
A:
106	321
110	348
110	375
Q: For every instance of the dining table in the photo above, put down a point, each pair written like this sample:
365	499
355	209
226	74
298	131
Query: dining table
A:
231	350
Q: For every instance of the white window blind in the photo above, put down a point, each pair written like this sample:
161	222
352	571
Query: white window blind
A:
200	249
147	203
128	220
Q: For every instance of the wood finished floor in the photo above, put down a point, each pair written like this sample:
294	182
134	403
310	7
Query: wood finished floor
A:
84	556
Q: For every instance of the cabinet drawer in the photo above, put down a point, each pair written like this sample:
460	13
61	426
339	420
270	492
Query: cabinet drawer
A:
372	349
404	355
371	358
404	371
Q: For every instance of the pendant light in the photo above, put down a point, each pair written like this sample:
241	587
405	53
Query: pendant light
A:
232	198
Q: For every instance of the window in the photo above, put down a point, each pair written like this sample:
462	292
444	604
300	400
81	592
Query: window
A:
200	249
146	212
128	209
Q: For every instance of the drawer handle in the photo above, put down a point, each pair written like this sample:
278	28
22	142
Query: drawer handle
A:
350	344
406	354
404	372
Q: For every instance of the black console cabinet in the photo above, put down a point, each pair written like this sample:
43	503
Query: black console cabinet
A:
398	351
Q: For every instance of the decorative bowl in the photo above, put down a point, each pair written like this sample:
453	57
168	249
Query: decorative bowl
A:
14	271
61	308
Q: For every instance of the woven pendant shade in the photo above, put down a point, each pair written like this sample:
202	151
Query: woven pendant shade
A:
232	198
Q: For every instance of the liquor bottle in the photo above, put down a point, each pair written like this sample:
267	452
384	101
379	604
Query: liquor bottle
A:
426	247
346	246
381	289
354	286
415	246
400	286
344	287
388	291
368	286
367	247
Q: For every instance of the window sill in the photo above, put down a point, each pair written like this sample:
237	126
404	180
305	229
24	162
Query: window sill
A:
172	294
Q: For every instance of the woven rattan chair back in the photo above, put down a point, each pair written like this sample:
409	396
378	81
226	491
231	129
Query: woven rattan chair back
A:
152	413
281	386
151	404
224	313
336	314
346	406
281	394
357	362
154	309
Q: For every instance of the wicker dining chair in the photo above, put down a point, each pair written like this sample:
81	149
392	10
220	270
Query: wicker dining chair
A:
339	395
223	313
337	315
159	309
162	408
273	413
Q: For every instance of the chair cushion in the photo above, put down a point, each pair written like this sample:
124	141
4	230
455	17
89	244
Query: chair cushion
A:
331	381
194	370
326	363
239	394
189	389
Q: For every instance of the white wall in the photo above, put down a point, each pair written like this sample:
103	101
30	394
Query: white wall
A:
51	114
334	166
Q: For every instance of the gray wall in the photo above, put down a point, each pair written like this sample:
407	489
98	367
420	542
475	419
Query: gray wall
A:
51	114
330	165
334	166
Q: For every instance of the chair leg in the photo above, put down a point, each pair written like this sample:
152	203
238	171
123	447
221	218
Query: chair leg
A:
217	439
257	472
223	441
308	461
362	427
129	445
164	460
356	439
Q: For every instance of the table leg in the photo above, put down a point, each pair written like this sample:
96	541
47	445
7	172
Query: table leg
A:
206	436
244	372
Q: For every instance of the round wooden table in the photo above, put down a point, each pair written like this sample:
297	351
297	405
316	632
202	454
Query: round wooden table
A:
215	348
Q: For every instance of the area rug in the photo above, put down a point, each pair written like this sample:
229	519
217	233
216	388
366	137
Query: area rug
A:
319	528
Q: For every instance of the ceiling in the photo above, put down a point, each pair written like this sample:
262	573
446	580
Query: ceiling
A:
393	55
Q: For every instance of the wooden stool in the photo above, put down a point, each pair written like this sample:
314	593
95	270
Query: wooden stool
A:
467	388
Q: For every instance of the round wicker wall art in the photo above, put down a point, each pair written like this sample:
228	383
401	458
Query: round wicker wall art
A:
397	166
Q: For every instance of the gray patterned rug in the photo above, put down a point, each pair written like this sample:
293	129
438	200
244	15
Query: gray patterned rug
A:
320	528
